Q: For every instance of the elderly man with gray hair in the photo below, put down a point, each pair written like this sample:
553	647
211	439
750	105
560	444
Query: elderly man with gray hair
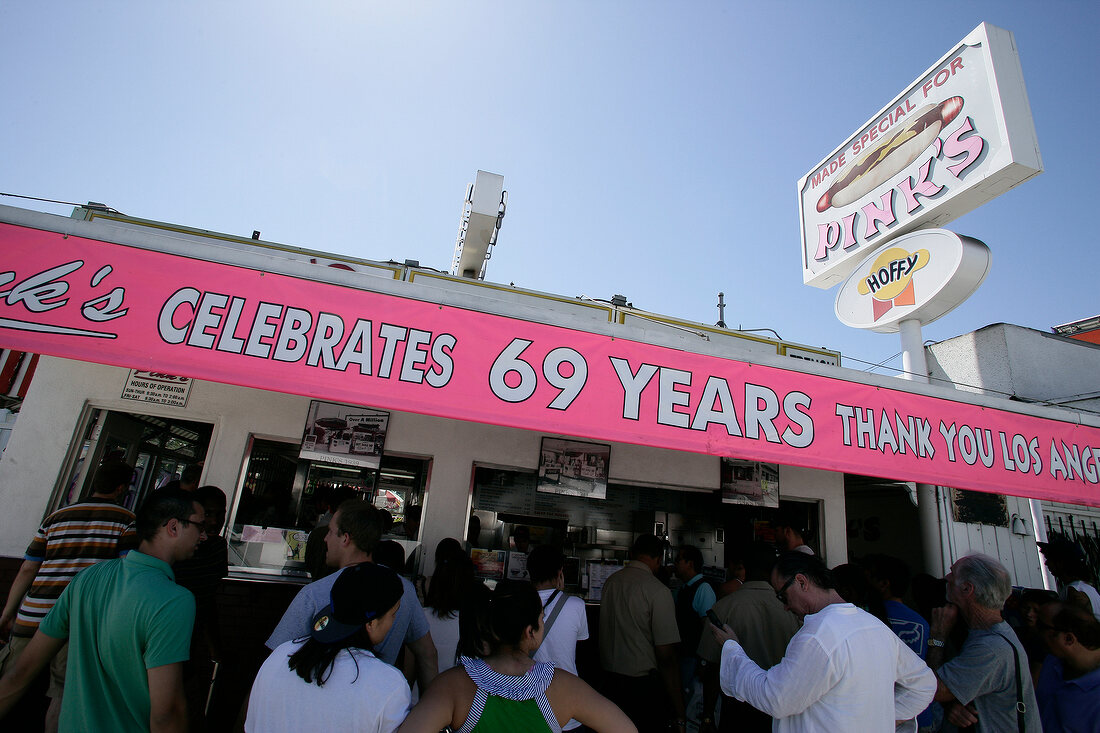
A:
988	683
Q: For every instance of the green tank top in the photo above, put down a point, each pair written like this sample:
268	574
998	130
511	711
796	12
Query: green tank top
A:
509	703
502	714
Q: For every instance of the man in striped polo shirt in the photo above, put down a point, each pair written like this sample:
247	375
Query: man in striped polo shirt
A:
69	540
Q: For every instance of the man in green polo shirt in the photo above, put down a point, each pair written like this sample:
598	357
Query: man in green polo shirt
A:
129	630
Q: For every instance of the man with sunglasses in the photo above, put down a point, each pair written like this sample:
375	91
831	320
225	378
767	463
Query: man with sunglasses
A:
128	626
843	670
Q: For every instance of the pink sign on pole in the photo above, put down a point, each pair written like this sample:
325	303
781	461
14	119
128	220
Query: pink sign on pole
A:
94	301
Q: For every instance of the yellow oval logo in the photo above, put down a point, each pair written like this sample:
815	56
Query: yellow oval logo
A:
892	272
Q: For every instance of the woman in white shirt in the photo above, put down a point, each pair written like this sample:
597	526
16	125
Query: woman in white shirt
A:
449	587
331	680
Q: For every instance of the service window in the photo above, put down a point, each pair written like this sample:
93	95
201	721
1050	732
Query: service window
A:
283	499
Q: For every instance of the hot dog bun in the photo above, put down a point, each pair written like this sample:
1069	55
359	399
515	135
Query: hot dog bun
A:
882	162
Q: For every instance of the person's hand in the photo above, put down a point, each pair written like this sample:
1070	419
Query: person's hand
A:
960	715
6	622
943	620
723	634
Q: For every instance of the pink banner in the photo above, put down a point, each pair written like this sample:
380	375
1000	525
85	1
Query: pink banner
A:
94	301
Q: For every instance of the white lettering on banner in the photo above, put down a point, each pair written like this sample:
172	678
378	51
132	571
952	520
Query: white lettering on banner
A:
282	333
475	366
43	291
569	386
761	406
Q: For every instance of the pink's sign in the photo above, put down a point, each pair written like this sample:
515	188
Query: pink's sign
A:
94	301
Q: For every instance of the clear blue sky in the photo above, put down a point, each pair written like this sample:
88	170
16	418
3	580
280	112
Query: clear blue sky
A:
649	148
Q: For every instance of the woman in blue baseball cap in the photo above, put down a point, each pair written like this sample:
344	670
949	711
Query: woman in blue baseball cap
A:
331	679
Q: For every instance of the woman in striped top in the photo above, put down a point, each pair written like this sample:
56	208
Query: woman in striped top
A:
498	687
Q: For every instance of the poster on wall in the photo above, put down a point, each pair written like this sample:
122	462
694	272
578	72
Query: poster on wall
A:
750	482
347	435
488	563
573	468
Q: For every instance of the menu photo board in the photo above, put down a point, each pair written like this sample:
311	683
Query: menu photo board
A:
488	563
573	468
750	482
347	435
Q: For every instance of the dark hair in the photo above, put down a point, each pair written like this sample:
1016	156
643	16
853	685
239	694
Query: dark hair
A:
1079	622
391	554
110	475
454	575
498	619
852	585
793	562
191	474
161	506
362	521
691	554
366	591
891	569
335	497
472	623
647	545
759	559
210	495
796	521
522	532
544	562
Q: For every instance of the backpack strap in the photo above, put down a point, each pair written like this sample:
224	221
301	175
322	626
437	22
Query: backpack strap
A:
1021	707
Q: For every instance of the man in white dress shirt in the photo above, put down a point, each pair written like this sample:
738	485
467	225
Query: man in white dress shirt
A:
844	670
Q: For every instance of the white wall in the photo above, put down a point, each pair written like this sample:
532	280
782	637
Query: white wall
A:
32	463
1032	366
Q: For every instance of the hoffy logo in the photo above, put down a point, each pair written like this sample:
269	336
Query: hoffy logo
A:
889	280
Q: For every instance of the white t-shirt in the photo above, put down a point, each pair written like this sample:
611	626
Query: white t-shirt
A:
445	635
361	693
844	670
559	647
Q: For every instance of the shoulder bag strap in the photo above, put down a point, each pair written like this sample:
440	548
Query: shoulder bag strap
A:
1021	708
549	621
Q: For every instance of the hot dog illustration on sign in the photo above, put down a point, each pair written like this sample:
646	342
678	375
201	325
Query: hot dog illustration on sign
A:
889	280
882	162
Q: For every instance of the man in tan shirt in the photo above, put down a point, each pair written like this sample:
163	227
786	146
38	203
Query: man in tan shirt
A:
764	628
638	638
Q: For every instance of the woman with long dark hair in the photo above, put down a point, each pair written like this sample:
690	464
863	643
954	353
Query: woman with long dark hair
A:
498	687
331	680
451	585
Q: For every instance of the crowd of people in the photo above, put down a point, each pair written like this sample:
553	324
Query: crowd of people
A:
120	608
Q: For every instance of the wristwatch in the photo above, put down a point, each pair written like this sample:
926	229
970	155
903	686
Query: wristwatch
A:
935	643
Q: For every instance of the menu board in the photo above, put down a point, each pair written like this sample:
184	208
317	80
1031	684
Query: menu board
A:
515	492
598	572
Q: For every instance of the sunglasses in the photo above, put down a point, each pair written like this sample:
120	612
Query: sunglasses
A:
781	594
200	525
